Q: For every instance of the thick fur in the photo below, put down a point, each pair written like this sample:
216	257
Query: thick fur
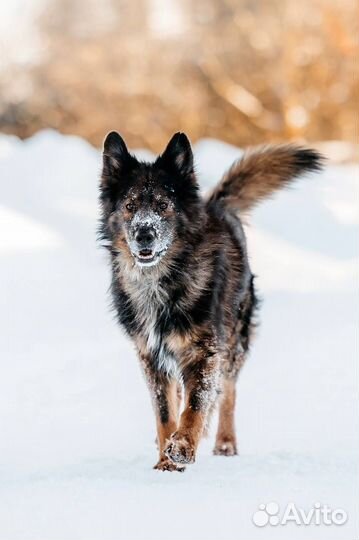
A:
182	287
261	172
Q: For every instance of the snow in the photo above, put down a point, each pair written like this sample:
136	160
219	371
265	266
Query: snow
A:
77	430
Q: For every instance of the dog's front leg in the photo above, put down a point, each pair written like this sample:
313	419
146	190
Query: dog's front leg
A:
201	385
165	398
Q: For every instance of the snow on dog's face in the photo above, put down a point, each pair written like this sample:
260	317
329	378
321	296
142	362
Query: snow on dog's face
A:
145	206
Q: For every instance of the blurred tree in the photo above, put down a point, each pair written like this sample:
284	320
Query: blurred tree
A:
239	70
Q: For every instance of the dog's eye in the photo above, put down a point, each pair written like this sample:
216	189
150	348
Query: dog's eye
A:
130	207
163	205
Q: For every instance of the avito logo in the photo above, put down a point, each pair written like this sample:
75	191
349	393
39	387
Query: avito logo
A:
319	514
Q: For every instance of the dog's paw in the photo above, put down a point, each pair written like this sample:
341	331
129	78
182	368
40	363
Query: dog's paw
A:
225	448
179	449
166	464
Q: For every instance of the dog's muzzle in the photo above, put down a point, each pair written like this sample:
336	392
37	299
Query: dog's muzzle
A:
145	238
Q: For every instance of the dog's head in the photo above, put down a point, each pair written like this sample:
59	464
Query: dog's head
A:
147	206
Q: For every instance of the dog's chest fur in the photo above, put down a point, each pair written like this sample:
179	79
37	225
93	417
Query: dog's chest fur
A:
150	301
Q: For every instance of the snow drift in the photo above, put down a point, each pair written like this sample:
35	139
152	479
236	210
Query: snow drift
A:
75	419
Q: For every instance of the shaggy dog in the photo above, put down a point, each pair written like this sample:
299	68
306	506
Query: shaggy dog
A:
182	286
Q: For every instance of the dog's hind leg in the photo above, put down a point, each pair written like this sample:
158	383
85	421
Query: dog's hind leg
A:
226	444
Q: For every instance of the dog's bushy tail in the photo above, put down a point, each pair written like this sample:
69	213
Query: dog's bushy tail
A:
261	172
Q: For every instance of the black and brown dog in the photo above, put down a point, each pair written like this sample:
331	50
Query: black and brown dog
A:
181	283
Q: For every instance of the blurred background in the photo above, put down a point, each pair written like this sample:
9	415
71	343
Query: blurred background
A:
77	429
242	71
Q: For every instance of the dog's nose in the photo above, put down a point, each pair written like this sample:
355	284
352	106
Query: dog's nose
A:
145	236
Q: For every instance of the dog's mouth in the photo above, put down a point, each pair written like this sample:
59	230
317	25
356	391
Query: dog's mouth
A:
147	256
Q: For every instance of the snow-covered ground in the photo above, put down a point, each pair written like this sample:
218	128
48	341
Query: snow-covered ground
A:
76	426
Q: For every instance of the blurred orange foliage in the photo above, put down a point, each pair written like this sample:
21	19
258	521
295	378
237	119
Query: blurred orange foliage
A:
239	70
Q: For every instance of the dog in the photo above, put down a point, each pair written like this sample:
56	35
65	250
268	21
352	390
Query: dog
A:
182	287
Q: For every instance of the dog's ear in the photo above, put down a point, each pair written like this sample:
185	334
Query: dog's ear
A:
179	154
115	153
